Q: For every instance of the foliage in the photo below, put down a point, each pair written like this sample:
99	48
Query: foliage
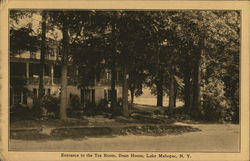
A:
214	102
103	104
76	109
22	112
51	104
157	130
75	102
199	49
22	40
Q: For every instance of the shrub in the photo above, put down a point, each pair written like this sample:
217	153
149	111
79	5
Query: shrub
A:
22	112
90	109
51	104
118	109
17	111
119	102
214	102
75	102
103	104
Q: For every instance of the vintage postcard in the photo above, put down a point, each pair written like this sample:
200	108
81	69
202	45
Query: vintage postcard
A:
124	80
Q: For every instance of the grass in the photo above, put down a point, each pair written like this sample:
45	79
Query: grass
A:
148	121
47	123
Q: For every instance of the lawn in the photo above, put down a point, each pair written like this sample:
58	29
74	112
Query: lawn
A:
47	123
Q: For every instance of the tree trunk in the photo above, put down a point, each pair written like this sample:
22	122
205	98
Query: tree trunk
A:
187	89
113	70
175	92
159	89
113	92
197	82
125	93
64	70
159	81
132	96
42	57
171	90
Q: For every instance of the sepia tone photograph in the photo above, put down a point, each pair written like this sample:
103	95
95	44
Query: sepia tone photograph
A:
124	81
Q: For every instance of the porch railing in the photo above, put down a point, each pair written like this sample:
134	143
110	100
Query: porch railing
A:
57	81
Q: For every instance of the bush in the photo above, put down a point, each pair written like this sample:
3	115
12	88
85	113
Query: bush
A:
75	102
103	104
52	105
214	102
90	109
22	112
76	109
118	109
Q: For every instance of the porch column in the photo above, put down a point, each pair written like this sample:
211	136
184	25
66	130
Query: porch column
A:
27	72
52	74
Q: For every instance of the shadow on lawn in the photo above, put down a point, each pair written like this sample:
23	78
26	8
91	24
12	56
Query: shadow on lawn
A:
47	134
18	123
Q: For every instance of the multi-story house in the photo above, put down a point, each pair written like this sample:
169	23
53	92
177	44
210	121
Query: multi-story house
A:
24	79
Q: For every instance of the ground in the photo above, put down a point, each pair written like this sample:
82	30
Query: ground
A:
101	133
211	138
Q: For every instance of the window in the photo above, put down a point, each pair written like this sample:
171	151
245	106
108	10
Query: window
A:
49	91
57	71
71	71
98	76
93	95
107	95
87	95
35	93
19	96
46	70
17	69
34	69
119	76
108	75
24	101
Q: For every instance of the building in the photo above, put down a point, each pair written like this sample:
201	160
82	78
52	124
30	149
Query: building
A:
24	79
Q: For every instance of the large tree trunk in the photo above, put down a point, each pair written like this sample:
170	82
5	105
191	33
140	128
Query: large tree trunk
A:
113	70
42	57
125	93
187	89
64	70
197	82
159	81
113	92
159	88
171	90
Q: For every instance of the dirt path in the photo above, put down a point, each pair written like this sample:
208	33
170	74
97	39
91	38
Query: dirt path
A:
212	138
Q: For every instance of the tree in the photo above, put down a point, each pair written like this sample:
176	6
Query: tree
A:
64	70
136	82
61	19
201	35
42	56
131	53
118	46
22	38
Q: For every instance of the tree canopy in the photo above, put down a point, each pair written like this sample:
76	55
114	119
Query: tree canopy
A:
192	56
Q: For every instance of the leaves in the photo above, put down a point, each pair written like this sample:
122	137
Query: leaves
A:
148	43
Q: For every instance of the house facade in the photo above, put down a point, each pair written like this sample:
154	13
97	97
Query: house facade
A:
24	79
